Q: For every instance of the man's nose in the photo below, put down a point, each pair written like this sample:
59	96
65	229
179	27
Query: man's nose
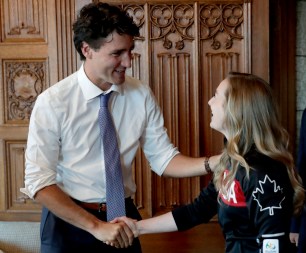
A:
126	60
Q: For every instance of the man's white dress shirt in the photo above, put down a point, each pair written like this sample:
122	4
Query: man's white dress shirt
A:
64	144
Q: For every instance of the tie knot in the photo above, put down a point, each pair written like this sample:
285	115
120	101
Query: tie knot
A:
104	99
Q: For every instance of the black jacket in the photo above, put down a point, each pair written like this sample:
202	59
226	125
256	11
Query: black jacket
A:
255	215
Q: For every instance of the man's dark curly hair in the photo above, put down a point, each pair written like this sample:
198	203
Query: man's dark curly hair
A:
96	21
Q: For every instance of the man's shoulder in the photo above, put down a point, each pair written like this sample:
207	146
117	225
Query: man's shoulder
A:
134	85
59	93
63	86
134	82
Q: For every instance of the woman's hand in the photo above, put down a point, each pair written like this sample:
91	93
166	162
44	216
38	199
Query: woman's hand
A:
115	233
131	223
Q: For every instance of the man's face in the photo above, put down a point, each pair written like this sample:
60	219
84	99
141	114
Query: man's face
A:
107	65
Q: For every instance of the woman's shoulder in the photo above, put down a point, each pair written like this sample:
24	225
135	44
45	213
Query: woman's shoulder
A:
261	162
263	168
265	172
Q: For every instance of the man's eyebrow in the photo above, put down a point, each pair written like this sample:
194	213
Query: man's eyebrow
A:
122	50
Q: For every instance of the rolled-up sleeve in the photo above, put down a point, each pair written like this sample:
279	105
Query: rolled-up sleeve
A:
41	155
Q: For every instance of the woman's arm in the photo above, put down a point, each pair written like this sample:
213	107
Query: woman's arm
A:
201	210
158	224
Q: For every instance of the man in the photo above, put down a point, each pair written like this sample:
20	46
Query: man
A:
65	165
298	225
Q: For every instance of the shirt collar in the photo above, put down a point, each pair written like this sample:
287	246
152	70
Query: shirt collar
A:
90	90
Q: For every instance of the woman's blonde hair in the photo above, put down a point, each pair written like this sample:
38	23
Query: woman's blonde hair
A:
252	119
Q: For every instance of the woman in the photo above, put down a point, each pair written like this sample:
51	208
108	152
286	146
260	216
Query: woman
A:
255	189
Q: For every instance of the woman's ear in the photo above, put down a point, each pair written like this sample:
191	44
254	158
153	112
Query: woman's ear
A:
86	50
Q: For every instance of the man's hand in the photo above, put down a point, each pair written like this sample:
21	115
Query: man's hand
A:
117	234
130	222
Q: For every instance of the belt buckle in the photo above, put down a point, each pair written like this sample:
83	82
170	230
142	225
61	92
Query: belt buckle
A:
102	207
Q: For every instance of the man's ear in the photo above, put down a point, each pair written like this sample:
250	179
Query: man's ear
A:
86	50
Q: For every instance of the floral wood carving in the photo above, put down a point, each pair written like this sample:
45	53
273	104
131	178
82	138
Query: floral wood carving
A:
167	19
25	81
217	19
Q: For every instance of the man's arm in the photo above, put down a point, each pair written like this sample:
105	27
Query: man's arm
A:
59	203
184	166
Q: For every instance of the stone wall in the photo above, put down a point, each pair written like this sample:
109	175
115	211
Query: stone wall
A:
300	62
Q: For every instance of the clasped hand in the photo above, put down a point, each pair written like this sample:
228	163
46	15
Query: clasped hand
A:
120	232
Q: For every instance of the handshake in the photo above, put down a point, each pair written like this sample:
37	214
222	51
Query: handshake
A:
118	233
121	231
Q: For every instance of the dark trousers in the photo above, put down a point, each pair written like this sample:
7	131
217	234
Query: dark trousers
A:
58	236
302	232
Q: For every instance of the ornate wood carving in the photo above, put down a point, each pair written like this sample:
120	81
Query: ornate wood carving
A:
24	81
15	178
218	18
136	66
173	85
226	61
138	13
24	20
66	53
168	19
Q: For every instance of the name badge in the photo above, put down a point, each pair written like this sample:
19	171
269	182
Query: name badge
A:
270	246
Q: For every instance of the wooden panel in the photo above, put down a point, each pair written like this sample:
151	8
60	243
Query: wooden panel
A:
25	64
260	37
283	66
24	81
17	201
142	177
66	53
140	61
24	20
14	204
174	77
173	80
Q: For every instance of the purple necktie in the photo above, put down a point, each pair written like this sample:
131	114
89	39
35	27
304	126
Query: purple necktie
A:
114	184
